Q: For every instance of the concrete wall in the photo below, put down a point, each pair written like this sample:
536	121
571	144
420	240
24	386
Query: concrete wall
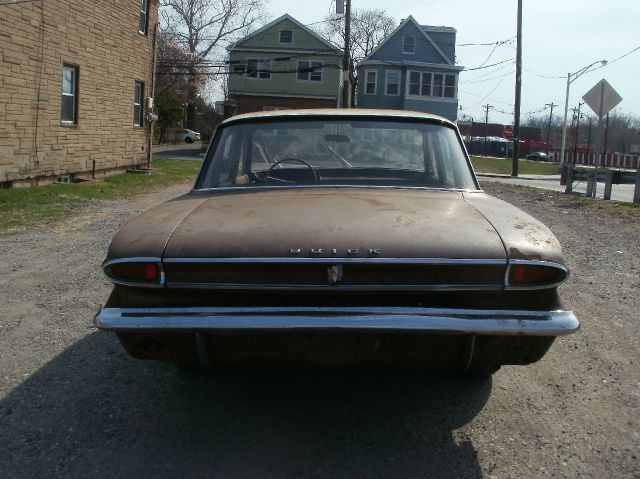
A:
101	38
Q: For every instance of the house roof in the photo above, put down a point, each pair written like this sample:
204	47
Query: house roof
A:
425	29
286	16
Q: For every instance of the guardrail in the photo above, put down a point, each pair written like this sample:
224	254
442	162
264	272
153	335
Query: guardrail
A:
603	175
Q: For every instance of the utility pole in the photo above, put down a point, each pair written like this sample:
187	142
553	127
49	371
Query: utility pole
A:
575	138
550	118
486	126
606	139
589	140
516	121
346	59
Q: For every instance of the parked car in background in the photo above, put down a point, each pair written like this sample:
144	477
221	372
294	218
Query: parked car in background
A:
337	236
183	135
538	156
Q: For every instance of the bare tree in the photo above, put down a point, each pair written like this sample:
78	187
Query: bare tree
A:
173	66
369	27
204	28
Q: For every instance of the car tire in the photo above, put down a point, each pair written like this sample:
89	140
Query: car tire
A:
188	367
188	140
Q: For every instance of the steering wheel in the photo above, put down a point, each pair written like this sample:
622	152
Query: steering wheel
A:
316	175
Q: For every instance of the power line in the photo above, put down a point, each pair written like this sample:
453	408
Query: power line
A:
622	56
488	79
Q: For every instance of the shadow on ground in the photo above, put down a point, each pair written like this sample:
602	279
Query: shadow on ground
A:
93	412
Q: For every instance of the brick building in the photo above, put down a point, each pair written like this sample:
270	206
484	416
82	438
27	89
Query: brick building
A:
74	79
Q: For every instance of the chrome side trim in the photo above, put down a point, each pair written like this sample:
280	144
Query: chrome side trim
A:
550	264
339	287
337	260
136	259
384	319
133	259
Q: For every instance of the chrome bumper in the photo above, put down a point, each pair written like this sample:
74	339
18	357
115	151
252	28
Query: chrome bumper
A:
381	319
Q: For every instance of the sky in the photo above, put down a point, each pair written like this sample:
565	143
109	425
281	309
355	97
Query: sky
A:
558	37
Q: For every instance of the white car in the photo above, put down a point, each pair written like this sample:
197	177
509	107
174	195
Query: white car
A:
189	136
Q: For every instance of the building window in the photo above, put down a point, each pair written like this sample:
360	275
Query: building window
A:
419	84
258	69
286	36
144	17
309	71
439	85
409	44
69	107
393	83
138	95
450	86
371	83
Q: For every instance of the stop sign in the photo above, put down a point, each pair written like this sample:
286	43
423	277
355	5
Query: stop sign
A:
508	131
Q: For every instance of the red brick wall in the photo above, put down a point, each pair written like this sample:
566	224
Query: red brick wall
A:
248	103
100	37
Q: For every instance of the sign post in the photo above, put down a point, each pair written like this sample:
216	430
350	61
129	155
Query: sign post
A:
602	98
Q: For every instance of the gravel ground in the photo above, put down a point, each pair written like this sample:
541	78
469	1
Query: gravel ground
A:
72	404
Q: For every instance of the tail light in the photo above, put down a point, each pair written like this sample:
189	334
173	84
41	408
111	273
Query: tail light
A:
523	274
135	271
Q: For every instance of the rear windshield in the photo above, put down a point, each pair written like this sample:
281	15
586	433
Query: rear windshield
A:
330	152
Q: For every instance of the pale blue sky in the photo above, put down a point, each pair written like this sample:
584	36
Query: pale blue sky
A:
559	36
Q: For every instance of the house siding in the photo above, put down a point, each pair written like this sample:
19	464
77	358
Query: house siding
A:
283	89
101	39
285	83
427	58
424	52
271	38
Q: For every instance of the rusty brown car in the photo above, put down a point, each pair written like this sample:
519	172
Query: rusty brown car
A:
337	236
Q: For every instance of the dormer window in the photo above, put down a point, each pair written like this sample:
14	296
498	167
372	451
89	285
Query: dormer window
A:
286	36
409	44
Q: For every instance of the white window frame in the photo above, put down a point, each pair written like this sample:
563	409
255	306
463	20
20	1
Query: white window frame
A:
280	36
73	94
261	73
144	17
366	82
420	85
433	84
309	74
432	89
386	82
138	104
455	86
404	44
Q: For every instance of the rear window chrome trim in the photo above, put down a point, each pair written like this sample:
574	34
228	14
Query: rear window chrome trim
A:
336	186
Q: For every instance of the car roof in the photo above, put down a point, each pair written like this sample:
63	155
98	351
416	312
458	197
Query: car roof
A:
338	113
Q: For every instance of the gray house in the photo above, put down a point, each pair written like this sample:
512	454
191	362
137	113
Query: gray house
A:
412	69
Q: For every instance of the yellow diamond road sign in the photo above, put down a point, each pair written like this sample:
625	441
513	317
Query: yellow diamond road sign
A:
602	98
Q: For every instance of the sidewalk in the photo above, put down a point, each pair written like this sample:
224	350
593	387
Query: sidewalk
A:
552	182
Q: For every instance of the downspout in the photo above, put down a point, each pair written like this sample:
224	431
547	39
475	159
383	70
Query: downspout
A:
152	95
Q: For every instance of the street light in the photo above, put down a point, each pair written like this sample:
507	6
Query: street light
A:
571	77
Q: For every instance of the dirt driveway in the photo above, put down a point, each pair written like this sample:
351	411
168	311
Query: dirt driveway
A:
72	404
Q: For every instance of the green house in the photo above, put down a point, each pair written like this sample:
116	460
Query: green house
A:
284	65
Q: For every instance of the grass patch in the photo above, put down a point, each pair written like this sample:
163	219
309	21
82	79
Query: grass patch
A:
26	206
503	166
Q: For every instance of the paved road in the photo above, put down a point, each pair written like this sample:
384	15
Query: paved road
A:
73	404
552	182
183	151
